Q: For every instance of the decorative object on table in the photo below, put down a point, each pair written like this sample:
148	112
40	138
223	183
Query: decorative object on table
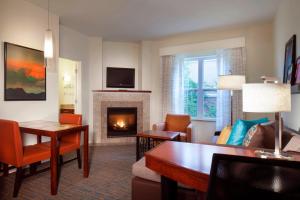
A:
268	98
289	61
48	43
25	74
231	82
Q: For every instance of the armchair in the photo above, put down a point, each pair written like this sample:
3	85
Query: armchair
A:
179	123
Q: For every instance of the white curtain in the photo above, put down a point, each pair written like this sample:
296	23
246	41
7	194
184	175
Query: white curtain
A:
172	87
230	61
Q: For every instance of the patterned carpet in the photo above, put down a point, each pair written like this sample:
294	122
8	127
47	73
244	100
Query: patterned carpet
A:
110	178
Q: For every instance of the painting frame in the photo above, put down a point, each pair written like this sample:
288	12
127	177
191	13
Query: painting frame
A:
297	74
289	61
8	95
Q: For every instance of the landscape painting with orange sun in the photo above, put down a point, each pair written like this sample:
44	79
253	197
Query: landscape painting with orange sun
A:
25	73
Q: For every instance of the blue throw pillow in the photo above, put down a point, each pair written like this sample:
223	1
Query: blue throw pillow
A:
240	129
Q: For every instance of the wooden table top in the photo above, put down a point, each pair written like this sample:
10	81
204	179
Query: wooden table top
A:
162	135
188	163
48	126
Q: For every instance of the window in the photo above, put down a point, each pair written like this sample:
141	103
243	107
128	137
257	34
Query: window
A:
200	83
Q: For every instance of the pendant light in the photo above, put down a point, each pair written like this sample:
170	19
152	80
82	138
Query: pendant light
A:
48	43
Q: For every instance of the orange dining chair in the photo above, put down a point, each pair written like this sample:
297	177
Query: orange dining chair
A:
12	151
71	142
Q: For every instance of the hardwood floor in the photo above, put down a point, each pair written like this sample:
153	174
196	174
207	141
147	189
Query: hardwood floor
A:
110	178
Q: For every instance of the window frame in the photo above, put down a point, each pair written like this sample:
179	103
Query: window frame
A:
200	90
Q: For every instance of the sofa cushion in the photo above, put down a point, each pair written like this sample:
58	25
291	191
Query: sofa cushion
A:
240	129
140	170
254	137
263	136
222	139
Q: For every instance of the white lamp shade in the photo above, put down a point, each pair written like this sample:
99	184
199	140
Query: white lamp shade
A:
231	82
48	44
266	97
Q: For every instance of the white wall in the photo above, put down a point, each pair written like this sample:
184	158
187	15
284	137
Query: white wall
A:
87	50
121	54
287	23
25	24
260	61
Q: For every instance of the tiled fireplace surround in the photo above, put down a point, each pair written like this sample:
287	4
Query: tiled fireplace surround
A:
102	99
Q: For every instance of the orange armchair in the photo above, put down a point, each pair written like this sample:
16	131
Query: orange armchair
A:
12	151
179	123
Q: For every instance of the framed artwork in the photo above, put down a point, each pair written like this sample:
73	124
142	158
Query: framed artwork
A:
289	61
24	73
297	75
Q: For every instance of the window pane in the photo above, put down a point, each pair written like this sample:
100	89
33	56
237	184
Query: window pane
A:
190	73
190	102
210	74
209	104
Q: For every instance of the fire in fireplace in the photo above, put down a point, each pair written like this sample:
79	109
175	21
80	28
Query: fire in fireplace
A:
121	121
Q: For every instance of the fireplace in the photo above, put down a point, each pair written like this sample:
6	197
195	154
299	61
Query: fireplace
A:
121	121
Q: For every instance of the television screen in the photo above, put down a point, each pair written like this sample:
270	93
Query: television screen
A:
120	77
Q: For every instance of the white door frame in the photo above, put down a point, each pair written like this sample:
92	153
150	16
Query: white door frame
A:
78	96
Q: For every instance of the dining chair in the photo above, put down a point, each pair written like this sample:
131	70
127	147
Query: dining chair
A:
239	177
71	142
12	151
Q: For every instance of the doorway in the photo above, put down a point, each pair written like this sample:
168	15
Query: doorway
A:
69	86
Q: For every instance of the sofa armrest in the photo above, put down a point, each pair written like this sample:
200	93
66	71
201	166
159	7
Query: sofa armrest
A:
159	126
189	130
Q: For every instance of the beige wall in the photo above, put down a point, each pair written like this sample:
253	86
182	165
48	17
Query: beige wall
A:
121	54
24	24
259	52
88	51
286	24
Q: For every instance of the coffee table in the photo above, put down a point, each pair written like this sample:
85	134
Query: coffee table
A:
186	163
146	140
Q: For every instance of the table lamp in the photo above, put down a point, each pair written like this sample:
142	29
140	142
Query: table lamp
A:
231	82
268	98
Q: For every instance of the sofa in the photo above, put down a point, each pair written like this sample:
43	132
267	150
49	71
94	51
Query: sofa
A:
146	183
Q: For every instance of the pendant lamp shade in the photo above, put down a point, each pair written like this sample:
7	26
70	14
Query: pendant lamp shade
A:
48	44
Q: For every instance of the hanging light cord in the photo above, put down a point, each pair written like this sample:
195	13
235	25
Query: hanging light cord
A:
48	14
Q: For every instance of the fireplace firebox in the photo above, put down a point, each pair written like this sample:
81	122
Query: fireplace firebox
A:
121	121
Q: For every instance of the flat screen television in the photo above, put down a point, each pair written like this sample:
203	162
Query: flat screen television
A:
120	77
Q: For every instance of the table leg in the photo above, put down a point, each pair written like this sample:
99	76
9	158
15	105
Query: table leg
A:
53	162
86	153
168	189
137	148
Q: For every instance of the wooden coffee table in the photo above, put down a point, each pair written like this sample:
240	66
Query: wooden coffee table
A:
148	139
186	163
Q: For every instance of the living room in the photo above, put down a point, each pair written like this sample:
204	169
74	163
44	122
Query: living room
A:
155	45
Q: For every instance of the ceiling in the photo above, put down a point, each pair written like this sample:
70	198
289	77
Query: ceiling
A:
133	20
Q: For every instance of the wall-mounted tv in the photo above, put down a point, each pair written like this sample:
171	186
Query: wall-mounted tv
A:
120	77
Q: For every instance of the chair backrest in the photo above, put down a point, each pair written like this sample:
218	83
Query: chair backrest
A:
177	122
67	118
11	146
237	177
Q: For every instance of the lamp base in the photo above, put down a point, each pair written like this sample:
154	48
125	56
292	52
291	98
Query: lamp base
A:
273	155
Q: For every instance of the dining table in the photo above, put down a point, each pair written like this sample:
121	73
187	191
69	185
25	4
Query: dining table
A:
54	131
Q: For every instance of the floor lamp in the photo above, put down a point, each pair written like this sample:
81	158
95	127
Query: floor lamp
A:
231	82
269	98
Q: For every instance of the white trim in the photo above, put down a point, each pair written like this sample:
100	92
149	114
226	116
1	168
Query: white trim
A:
203	46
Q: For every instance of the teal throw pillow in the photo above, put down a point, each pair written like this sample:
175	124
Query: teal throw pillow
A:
240	129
